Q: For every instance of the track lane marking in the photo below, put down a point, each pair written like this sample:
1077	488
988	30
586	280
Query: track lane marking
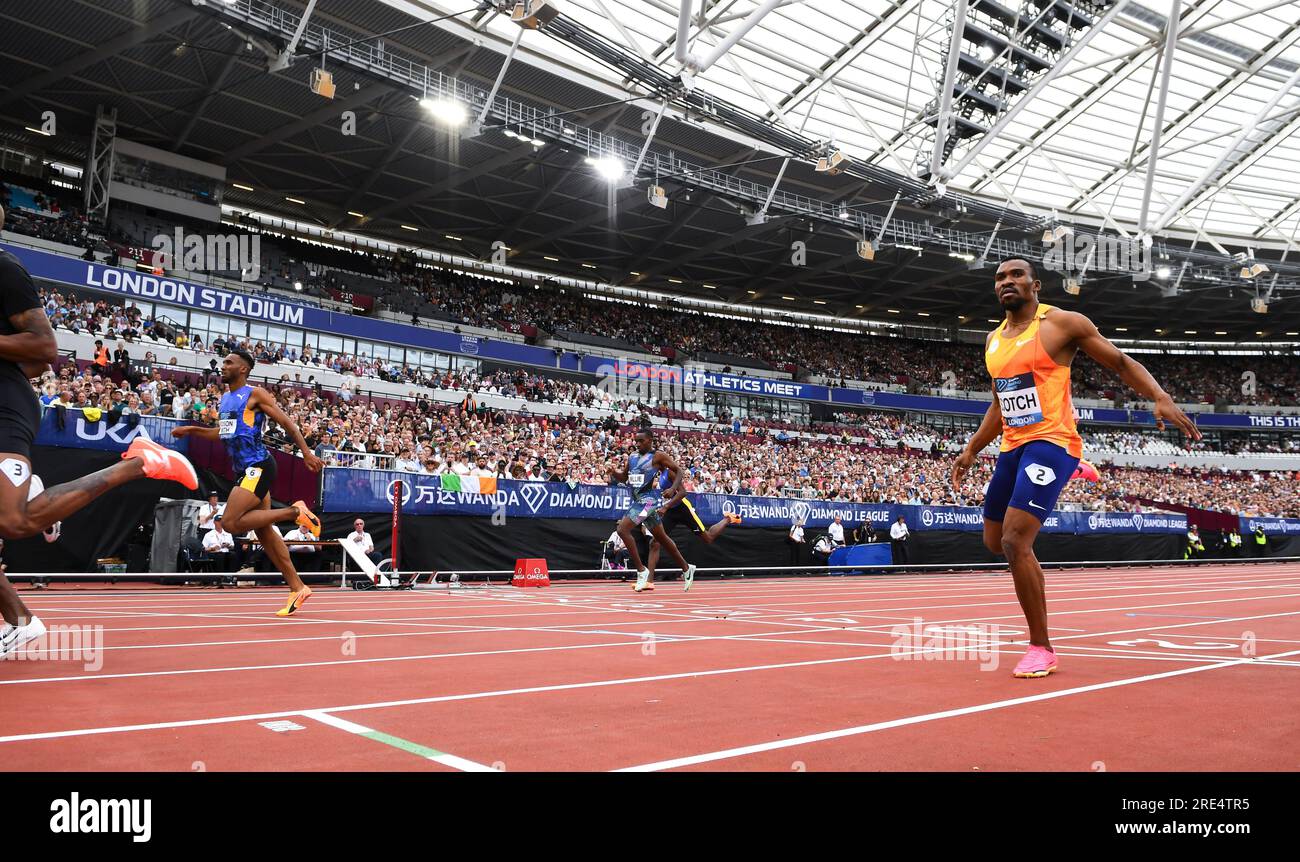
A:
741	751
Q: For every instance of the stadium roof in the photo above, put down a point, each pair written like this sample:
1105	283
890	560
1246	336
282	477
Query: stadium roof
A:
195	80
861	73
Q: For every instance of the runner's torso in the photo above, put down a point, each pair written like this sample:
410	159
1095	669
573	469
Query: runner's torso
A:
1033	391
17	294
642	475
241	425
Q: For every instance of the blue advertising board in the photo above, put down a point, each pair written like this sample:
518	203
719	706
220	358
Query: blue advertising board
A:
78	432
356	490
1272	526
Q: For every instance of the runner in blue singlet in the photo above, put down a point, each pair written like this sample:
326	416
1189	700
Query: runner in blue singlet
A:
244	410
644	467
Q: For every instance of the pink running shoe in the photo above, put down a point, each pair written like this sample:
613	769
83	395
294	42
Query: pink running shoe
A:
1038	662
162	463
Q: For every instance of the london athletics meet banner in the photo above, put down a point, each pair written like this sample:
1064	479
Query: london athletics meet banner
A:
82	432
355	490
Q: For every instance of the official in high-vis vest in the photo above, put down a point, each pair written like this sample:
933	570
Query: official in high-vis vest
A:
1261	541
1234	543
1195	547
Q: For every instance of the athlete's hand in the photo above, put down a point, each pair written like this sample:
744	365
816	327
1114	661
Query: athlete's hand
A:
313	463
182	431
963	463
1167	411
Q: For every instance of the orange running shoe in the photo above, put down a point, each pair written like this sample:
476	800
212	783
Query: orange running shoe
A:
162	463
295	602
307	519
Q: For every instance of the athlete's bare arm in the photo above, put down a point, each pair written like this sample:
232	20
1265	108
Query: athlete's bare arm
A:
1084	335
672	495
206	431
33	346
267	404
989	429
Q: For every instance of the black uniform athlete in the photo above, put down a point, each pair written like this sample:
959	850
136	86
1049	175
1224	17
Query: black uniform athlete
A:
27	347
677	511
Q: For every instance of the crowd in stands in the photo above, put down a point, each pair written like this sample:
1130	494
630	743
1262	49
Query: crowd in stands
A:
426	437
857	457
36	213
404	284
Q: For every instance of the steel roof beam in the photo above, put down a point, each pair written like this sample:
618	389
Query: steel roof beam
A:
134	36
325	113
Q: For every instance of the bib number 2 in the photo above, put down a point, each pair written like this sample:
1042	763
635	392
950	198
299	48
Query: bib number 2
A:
1040	475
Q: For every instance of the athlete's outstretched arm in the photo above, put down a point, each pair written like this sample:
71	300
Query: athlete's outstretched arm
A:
33	346
673	494
1133	373
267	405
988	431
207	431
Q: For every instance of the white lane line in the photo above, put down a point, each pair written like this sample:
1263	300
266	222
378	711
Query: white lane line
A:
1078	612
424	751
637	640
92	731
726	754
817	585
355	600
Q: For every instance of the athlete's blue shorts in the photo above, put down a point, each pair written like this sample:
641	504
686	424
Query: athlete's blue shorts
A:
644	512
1030	478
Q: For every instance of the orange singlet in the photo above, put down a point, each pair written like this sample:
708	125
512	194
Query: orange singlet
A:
1032	390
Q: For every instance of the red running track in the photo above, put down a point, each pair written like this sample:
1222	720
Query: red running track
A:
1194	668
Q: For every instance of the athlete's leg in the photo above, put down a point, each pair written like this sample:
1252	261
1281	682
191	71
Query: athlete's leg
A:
993	535
627	531
688	517
13	610
661	537
653	561
20	517
274	547
713	532
244	511
998	495
278	553
1041	472
259	517
1018	533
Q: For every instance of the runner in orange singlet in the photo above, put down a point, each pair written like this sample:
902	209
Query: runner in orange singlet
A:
1028	357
